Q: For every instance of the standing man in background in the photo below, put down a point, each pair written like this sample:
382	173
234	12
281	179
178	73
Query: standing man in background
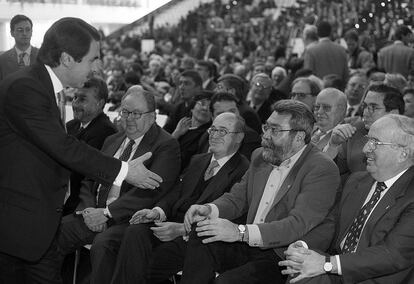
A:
22	54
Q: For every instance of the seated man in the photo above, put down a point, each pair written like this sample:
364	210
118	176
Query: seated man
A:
190	129
104	210
347	140
288	190
259	96
90	125
374	234
329	111
153	252
226	102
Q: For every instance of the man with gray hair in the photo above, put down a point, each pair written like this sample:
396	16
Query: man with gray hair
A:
288	189
259	95
103	212
310	36
374	239
329	111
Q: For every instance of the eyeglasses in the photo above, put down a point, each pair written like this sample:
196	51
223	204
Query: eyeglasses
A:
371	107
275	130
203	103
221	132
325	108
299	95
373	143
260	86
135	114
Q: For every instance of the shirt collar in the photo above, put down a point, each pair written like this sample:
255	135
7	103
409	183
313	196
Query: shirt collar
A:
398	42
224	160
137	141
291	161
390	182
57	85
28	50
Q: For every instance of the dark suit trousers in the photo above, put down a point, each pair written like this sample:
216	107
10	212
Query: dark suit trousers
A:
235	262
14	270
74	234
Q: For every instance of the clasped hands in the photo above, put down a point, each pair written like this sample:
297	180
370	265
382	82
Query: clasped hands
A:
217	229
301	262
94	219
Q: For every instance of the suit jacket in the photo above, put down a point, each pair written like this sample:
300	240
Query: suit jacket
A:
9	63
37	156
251	141
264	111
250	117
385	252
327	57
302	202
228	175
396	58
165	161
94	135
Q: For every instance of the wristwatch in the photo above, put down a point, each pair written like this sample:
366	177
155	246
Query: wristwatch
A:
242	230
328	264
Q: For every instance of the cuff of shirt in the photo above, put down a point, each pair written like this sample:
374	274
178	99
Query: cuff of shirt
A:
122	174
163	217
107	212
338	264
304	244
255	237
214	211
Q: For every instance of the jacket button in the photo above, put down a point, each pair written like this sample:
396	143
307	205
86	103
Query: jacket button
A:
59	210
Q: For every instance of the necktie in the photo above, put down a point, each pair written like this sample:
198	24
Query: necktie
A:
21	59
102	195
350	111
317	136
210	170
62	105
355	230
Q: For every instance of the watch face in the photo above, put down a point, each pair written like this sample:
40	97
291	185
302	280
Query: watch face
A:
327	267
241	228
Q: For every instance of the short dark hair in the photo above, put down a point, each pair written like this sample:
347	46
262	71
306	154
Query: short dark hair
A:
333	81
302	118
100	86
324	29
314	88
237	83
222	96
194	76
210	66
352	35
70	35
402	31
17	19
393	99
202	95
132	78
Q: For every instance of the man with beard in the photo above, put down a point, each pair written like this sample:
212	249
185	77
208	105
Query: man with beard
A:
288	189
90	125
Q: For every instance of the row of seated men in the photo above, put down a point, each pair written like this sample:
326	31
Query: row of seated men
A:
287	206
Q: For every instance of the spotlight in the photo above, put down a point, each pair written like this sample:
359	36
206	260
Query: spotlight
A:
382	4
371	15
357	26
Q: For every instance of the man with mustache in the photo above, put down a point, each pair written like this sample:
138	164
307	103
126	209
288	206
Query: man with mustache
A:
374	240
289	188
347	140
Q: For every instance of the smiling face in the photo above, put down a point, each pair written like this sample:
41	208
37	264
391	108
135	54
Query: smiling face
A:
375	108
383	161
329	110
86	106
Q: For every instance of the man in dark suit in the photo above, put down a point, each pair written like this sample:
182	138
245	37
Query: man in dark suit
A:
207	71
226	102
153	252
90	125
259	96
37	153
398	57
326	57
22	54
374	237
347	140
288	189
109	209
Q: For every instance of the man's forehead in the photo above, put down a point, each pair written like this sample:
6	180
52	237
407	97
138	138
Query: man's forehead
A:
279	118
374	96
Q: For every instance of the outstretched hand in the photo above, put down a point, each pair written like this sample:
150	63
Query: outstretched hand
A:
138	175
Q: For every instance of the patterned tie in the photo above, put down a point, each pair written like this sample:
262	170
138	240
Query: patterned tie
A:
102	195
350	111
210	170
21	59
316	137
355	230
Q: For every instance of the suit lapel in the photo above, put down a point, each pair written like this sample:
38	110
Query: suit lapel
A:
259	183
221	179
354	202
147	141
290	178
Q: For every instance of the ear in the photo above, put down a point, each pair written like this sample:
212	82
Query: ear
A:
101	103
405	154
300	136
66	60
